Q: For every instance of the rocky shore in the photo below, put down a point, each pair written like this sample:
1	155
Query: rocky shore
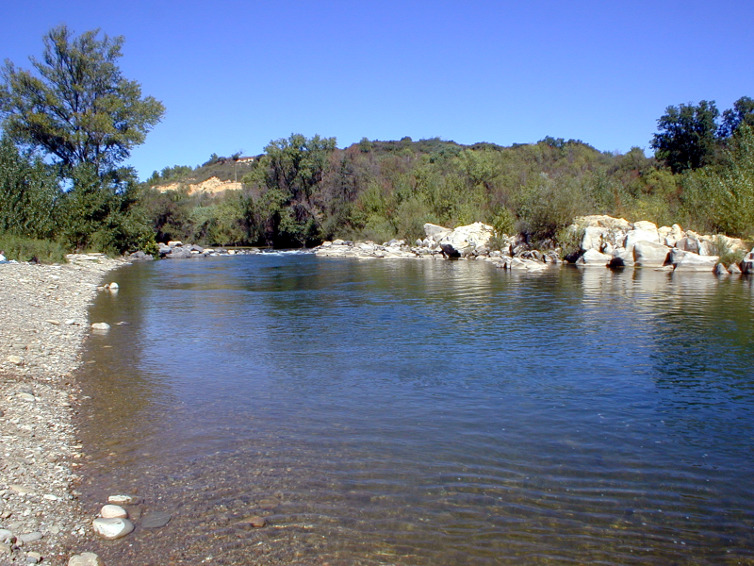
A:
43	314
599	241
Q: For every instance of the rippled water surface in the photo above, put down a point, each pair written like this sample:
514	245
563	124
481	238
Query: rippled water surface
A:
422	412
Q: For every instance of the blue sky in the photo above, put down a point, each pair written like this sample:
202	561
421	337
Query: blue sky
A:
235	75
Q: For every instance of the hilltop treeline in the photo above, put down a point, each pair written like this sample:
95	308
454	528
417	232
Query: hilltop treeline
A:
305	190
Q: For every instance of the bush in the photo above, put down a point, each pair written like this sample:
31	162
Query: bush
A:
30	249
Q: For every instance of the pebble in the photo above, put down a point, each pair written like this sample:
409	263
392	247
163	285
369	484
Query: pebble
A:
113	512
155	520
85	559
112	528
123	499
254	521
33	557
30	537
100	326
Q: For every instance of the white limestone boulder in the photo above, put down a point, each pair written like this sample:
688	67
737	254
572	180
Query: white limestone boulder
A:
688	261
650	254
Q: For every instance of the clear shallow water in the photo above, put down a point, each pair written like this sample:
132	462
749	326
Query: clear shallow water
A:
423	412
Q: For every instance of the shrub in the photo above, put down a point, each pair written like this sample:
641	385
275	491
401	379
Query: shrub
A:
30	249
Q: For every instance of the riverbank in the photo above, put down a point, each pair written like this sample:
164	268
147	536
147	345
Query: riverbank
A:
44	314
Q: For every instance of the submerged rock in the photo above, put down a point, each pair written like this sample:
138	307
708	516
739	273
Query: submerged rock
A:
85	559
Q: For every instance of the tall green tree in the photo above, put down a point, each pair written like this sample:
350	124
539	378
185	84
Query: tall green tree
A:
741	113
76	106
687	138
291	171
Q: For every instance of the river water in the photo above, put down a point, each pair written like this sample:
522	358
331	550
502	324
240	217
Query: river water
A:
422	412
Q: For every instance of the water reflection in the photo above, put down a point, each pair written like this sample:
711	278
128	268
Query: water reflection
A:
423	413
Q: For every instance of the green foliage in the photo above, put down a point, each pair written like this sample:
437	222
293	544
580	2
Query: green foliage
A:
721	246
546	206
289	174
170	174
504	222
569	240
721	198
687	137
28	195
21	248
741	113
78	107
99	214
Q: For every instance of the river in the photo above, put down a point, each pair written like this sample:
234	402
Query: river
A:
422	412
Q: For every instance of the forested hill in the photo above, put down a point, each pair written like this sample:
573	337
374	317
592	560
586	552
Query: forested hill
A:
303	190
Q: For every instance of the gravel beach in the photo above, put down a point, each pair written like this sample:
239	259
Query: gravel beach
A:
43	323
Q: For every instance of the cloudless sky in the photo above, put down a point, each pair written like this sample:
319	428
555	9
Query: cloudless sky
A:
236	75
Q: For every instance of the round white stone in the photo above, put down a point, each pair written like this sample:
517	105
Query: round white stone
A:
113	512
112	528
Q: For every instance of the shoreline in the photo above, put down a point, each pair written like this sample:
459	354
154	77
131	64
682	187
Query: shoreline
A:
44	311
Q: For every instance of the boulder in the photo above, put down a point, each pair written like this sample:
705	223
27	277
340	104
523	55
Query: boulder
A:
720	269
178	252
747	265
642	232
622	258
593	258
140	256
669	235
650	254
434	234
602	221
689	261
592	239
466	240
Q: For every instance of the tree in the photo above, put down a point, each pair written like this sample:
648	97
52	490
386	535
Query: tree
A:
741	113
291	169
77	108
687	138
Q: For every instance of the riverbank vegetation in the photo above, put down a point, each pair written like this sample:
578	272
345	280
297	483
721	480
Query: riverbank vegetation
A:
305	190
70	124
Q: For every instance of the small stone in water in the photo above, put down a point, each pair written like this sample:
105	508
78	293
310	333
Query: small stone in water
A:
85	559
123	499
100	326
155	520
112	528
255	521
113	512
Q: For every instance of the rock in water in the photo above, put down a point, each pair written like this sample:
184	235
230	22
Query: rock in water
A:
155	520
85	559
101	326
112	528
123	499
113	512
